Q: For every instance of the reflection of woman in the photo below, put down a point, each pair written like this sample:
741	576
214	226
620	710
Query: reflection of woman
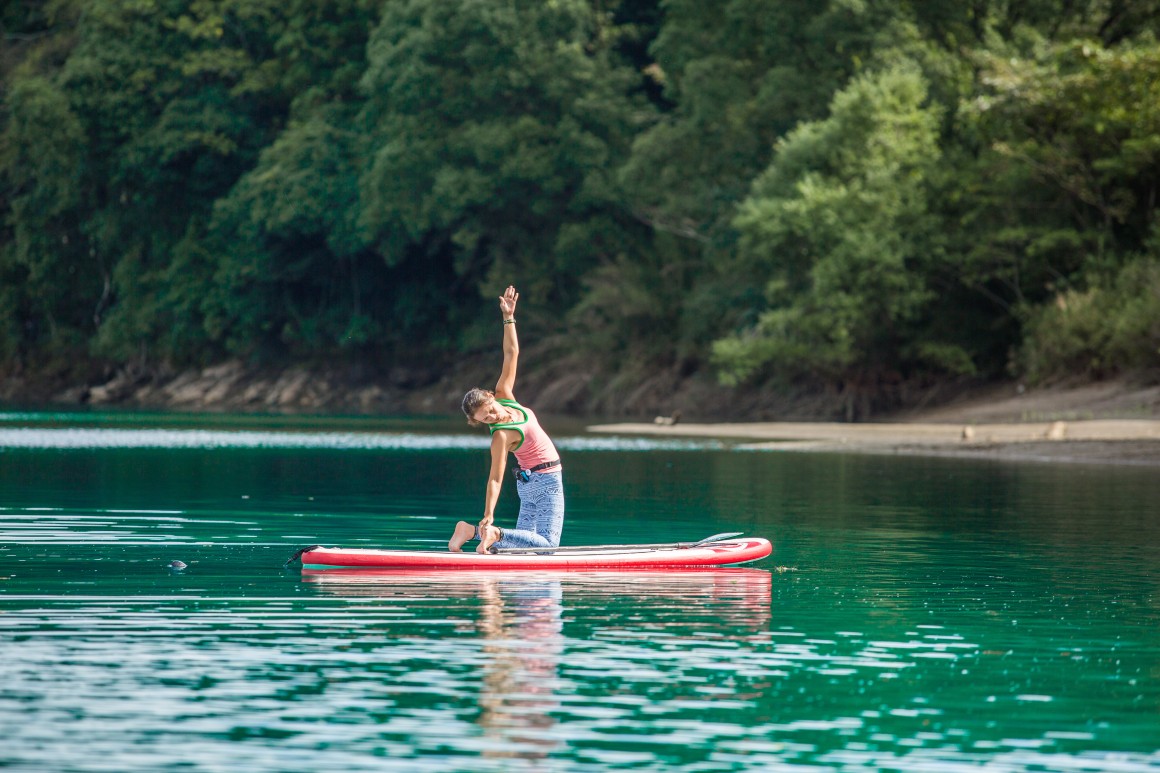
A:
514	428
522	625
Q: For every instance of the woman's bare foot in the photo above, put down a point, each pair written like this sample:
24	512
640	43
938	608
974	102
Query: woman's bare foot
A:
464	531
488	536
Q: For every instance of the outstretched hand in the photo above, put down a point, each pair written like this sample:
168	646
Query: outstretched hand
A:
507	302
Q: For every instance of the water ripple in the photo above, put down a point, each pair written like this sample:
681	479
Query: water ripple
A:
97	438
940	617
449	671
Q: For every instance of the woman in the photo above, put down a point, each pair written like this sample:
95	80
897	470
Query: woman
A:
514	428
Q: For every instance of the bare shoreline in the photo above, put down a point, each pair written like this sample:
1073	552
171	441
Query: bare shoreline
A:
1121	442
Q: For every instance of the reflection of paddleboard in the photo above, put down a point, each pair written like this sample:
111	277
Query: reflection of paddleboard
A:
681	601
626	557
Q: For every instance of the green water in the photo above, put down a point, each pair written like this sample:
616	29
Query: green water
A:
917	614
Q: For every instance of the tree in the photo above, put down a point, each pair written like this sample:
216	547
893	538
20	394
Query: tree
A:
1065	194
292	267
494	128
739	75
840	228
44	146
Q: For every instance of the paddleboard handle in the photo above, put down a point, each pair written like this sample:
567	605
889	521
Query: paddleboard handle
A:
298	554
719	537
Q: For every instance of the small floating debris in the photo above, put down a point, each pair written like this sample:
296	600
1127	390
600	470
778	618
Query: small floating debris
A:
177	566
784	569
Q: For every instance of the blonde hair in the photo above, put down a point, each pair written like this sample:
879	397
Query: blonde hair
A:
472	402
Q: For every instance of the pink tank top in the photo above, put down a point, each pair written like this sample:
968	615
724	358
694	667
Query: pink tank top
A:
536	447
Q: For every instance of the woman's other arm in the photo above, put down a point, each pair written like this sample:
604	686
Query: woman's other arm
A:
501	440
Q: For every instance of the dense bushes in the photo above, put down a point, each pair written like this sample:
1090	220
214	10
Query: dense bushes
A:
1103	330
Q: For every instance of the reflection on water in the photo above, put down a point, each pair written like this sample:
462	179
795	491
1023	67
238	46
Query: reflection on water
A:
524	677
729	668
96	438
520	621
380	663
942	616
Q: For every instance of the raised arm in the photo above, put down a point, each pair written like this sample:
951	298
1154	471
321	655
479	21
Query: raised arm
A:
511	345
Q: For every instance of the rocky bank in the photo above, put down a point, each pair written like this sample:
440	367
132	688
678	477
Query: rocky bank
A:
563	387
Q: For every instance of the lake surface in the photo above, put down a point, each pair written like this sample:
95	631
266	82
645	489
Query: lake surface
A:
916	614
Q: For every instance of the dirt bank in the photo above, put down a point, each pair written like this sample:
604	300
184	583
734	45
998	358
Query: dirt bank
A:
1014	403
1113	422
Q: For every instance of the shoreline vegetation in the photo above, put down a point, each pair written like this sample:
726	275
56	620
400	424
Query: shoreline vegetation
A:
761	208
1107	422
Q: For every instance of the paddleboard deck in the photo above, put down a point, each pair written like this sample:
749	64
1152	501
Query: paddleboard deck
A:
723	553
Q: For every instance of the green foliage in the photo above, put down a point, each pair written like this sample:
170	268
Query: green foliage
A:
44	160
1106	330
839	226
495	129
165	107
631	309
848	193
956	24
288	249
1067	177
739	75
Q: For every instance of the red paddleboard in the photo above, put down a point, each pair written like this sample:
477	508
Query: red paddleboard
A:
626	557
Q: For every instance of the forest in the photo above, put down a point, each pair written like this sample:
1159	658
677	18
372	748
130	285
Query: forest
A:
855	198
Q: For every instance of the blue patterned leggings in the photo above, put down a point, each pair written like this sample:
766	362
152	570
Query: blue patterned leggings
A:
541	518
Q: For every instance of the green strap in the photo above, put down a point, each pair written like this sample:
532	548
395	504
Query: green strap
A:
515	425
